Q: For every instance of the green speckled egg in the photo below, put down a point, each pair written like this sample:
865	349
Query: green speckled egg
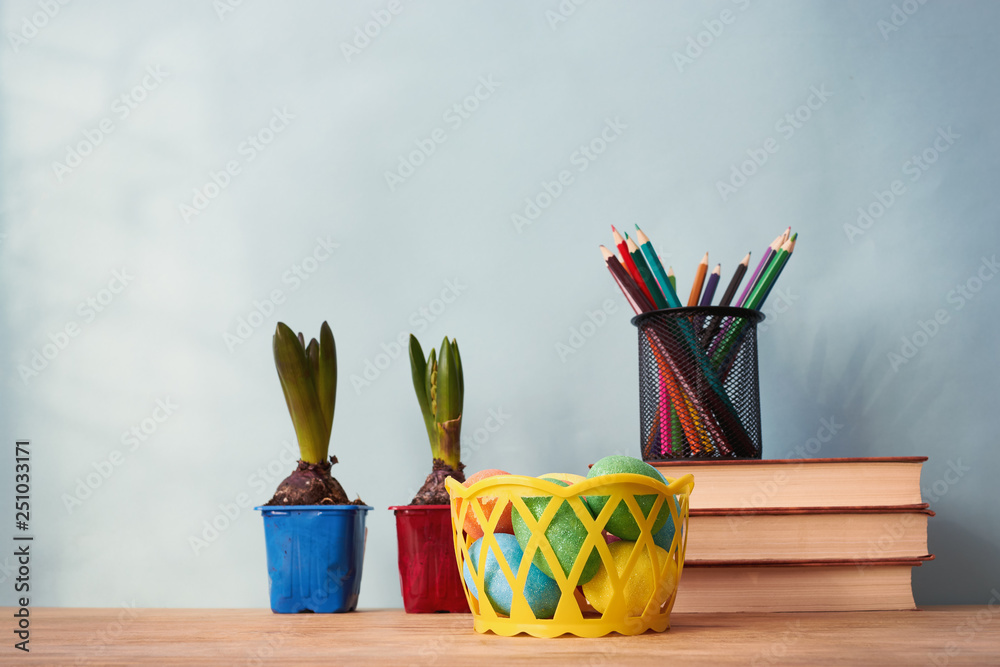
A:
622	524
565	533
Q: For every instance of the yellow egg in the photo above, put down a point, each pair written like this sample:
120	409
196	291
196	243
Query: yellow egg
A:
567	477
639	588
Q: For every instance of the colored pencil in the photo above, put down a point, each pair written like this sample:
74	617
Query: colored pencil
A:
768	254
655	263
654	431
629	264
699	280
677	439
790	247
672	438
716	338
646	274
634	295
767	277
695	412
680	387
614	266
725	342
688	336
727	298
734	284
684	421
713	282
716	400
666	406
656	267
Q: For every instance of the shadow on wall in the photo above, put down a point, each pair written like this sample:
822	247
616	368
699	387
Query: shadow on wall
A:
973	577
842	393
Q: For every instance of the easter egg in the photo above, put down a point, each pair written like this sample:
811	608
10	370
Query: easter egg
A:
621	523
639	588
541	593
470	583
565	534
567	477
665	536
471	524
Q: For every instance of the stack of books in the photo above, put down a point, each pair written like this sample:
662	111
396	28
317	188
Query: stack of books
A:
801	534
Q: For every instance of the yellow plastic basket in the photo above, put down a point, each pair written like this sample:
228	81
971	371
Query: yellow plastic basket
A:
573	615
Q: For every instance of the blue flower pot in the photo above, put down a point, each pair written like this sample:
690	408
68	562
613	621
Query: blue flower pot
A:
314	556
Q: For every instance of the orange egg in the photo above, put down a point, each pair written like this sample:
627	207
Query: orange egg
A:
472	527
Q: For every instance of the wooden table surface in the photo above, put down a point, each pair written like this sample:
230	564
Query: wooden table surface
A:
934	636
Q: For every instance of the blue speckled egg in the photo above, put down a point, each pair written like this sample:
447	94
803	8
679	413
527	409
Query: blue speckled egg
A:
474	555
541	592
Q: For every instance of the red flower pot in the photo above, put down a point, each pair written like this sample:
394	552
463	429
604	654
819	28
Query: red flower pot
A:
428	575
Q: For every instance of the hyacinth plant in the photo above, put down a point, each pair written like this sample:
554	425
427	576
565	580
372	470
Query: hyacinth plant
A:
440	388
308	375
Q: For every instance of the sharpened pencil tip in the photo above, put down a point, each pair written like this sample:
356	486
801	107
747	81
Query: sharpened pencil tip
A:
613	229
704	260
746	260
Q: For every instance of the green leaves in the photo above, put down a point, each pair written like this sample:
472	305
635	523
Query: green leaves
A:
421	385
326	376
440	388
308	376
430	381
449	395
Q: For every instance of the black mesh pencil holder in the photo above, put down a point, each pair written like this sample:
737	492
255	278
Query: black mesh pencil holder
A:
699	395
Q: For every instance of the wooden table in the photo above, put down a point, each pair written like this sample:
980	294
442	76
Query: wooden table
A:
390	637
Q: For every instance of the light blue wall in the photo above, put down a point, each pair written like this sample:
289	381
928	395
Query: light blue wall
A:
520	291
